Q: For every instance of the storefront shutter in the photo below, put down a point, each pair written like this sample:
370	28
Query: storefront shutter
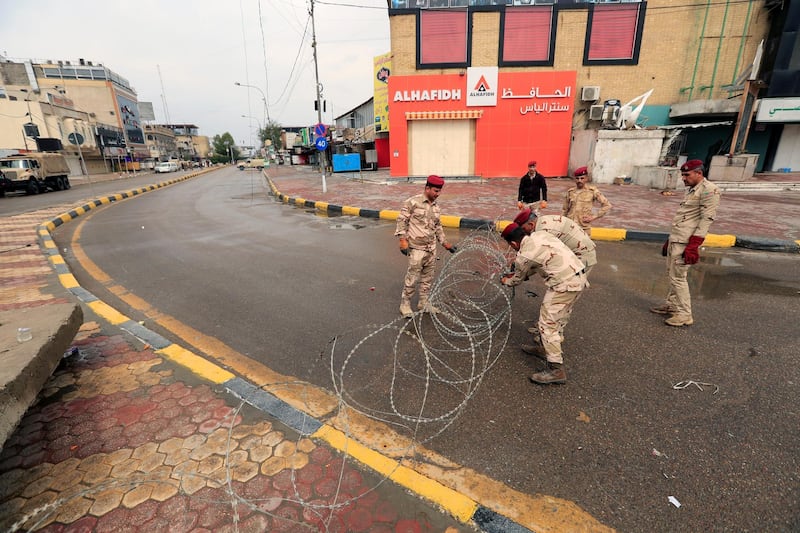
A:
613	31
526	33
443	37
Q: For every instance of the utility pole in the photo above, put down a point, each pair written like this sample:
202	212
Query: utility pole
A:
322	153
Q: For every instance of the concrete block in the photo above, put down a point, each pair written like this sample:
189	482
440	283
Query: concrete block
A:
26	366
740	167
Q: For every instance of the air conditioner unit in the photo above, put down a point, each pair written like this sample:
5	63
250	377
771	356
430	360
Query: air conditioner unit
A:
596	112
590	93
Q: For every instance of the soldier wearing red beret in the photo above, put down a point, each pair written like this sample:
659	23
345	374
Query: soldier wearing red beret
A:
563	273
419	228
579	201
689	229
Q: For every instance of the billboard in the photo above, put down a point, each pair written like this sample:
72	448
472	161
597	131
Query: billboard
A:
129	116
146	111
382	69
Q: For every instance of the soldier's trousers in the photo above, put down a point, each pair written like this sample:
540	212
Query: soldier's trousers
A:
421	265
554	314
677	272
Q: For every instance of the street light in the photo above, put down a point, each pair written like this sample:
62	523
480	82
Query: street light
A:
260	129
263	97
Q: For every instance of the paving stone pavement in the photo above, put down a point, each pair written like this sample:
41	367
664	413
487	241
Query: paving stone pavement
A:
122	439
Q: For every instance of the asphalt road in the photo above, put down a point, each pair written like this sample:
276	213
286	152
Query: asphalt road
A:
278	283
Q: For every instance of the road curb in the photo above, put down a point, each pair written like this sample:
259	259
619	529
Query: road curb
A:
598	234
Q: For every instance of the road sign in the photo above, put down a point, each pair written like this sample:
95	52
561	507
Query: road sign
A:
320	130
75	138
321	143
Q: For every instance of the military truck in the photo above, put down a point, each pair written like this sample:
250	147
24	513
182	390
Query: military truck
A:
257	163
33	173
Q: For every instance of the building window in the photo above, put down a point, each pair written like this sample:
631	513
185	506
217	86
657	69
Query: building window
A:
442	39
614	34
527	36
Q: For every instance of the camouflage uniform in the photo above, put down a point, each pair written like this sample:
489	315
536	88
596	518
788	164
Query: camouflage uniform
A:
580	202
568	232
693	218
419	222
563	274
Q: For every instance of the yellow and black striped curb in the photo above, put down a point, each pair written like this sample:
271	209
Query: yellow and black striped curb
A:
460	506
597	234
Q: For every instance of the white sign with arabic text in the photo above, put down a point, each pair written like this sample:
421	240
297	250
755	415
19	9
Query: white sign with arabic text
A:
778	110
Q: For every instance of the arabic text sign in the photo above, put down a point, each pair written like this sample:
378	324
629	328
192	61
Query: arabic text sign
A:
779	110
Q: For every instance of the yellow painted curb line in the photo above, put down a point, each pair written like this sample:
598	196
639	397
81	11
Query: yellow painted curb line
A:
720	241
104	310
450	221
354	211
387	214
451	501
196	364
607	234
322	206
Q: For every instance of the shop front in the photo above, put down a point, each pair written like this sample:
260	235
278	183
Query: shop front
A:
483	123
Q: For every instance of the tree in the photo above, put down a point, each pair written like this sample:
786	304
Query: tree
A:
272	132
225	150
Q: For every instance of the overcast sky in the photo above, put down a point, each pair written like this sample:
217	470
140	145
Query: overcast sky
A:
203	46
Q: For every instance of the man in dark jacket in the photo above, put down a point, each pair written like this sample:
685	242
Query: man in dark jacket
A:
532	189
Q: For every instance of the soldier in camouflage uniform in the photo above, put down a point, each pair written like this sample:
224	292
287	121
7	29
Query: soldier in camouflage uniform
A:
564	276
689	229
566	230
419	228
579	201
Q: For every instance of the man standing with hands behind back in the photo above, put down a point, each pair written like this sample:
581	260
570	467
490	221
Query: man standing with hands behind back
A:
419	228
532	187
689	229
579	201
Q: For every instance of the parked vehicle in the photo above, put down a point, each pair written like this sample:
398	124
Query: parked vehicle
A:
166	166
256	163
34	172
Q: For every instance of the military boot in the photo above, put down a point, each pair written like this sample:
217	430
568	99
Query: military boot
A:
664	309
679	320
554	373
535	350
425	307
405	309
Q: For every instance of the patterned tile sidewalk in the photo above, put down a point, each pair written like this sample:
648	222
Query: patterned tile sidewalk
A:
121	439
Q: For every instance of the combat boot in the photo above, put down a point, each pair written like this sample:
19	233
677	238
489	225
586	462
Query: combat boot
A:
679	320
534	350
664	309
426	307
405	309
554	373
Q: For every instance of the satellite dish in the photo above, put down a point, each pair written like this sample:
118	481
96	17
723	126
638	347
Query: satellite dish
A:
629	115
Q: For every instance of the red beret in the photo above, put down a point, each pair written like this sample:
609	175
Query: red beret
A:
435	181
581	171
509	229
692	164
531	163
524	216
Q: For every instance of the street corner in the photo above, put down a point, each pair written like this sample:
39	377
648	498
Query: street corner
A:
122	439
